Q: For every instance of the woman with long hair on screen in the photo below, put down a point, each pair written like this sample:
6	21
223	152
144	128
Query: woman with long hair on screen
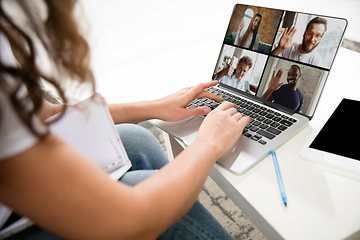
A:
250	38
60	192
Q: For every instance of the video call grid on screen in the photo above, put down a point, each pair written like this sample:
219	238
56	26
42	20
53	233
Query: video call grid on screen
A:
255	32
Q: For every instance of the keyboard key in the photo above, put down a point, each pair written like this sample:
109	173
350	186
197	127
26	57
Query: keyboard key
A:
214	105
266	134
247	135
282	128
256	123
200	103
240	110
273	130
243	105
260	118
263	113
247	113
276	119
292	120
192	105
255	138
254	115
267	121
253	128
263	126
270	116
286	123
262	142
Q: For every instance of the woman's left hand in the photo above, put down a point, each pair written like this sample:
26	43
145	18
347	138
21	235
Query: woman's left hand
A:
174	107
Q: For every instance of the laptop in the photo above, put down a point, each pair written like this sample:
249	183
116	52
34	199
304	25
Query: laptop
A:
274	65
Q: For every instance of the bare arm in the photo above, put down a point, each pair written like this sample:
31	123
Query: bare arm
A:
169	108
71	197
47	110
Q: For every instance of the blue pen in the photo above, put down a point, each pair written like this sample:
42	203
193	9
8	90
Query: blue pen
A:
278	175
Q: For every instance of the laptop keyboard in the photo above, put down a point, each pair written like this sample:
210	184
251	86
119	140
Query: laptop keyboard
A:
265	123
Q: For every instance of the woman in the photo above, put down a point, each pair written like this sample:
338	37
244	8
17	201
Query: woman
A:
250	39
62	192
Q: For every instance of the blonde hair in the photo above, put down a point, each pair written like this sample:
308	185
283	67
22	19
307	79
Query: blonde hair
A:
247	60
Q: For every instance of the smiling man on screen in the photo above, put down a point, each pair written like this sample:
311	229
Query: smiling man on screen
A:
304	52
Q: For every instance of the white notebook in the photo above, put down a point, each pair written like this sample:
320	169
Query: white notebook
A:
89	128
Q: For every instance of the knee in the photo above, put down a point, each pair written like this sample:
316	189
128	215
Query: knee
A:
142	147
134	134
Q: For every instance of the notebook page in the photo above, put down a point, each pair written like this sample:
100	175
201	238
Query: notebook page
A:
87	127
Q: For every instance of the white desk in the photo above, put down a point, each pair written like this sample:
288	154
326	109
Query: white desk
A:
323	203
167	45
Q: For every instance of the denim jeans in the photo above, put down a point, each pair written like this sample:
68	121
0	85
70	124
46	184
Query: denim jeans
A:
147	156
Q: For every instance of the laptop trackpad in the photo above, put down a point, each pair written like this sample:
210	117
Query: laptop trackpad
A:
235	159
188	131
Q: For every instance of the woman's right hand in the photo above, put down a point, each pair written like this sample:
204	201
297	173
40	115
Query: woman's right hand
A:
222	127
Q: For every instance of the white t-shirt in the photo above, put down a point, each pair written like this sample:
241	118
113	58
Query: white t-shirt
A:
294	53
15	136
236	83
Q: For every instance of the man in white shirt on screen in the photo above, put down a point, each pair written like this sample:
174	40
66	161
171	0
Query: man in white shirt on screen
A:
304	52
233	77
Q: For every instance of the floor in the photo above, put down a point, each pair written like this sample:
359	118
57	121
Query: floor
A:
218	203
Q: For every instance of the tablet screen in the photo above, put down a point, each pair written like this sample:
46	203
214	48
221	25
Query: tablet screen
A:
340	133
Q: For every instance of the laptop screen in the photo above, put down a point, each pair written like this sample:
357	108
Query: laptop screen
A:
279	56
